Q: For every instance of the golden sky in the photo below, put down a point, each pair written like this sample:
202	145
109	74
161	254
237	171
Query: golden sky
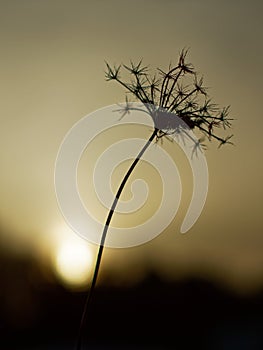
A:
52	75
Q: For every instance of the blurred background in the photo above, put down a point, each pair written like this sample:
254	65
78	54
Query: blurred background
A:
201	289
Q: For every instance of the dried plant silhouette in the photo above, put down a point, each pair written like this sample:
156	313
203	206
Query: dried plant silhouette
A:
179	92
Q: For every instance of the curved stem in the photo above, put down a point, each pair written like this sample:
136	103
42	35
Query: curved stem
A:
104	234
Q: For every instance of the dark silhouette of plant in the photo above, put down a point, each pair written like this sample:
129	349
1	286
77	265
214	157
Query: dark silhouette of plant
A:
176	92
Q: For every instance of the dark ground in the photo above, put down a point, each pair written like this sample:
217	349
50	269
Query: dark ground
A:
190	314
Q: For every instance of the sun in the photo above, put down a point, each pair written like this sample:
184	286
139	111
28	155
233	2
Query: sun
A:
73	262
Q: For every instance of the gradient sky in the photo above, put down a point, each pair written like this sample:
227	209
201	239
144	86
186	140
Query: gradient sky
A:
52	74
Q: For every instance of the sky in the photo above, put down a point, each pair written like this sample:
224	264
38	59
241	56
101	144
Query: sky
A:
52	74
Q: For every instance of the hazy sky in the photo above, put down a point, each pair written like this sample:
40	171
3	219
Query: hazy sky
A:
52	74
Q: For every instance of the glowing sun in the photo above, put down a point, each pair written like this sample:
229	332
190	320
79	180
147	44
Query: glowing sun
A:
73	262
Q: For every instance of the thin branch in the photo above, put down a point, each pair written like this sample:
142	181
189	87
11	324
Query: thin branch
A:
104	235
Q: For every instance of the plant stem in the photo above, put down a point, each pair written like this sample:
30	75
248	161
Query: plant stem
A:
104	234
